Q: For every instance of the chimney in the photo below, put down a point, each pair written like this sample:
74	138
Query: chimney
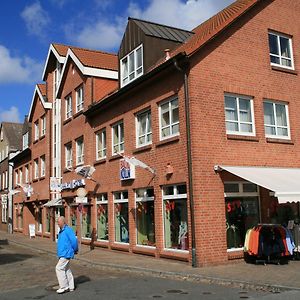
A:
167	52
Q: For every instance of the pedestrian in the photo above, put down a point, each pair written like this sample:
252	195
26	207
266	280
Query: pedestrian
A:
67	246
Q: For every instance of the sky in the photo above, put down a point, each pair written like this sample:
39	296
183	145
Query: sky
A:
28	27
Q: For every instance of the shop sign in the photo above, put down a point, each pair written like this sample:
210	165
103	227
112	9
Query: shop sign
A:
55	186
83	200
72	184
127	170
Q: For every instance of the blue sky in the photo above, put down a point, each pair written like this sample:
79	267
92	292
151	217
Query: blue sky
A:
28	27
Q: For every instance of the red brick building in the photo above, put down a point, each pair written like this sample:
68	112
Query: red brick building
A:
213	117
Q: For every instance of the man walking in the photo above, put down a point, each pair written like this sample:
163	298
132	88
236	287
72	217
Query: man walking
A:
67	246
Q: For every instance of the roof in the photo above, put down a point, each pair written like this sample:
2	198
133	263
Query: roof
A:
13	133
162	31
42	88
61	49
213	26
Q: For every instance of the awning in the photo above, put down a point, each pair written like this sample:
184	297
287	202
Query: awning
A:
54	202
285	182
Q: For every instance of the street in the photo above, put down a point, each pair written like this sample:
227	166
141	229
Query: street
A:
29	274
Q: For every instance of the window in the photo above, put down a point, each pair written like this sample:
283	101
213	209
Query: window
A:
16	177
43	129
242	211
4	208
48	220
144	130
25	140
26	174
73	218
43	166
68	154
239	115
57	76
39	218
102	217
121	217
79	151
20	176
68	107
281	50
86	221
36	130
118	138
145	217
79	99
6	179
101	144
175	217
276	119
169	119
36	169
132	66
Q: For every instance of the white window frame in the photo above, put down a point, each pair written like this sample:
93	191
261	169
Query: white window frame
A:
68	156
4	208
274	103
80	158
172	123
16	177
278	35
239	132
43	165
43	125
101	152
68	107
21	176
79	99
101	199
139	116
36	130
26	173
36	168
135	72
25	140
119	144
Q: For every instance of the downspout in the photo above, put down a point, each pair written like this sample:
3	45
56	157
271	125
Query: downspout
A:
189	153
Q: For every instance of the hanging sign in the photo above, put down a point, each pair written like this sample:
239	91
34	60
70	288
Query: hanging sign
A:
127	170
31	230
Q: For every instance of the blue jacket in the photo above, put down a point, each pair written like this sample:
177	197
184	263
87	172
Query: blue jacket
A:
67	243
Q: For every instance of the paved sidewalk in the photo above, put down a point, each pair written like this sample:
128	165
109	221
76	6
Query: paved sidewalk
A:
238	273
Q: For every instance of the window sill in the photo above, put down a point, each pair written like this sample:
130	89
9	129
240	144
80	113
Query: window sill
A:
170	140
42	137
146	250
142	148
284	70
35	180
279	141
116	156
78	114
175	254
42	178
66	170
100	161
35	141
80	164
120	246
242	138
67	121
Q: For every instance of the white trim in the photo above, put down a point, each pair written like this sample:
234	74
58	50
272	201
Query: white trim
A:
61	59
235	249
148	114
88	71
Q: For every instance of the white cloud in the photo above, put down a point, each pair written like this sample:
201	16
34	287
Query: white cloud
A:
36	19
10	115
18	69
106	34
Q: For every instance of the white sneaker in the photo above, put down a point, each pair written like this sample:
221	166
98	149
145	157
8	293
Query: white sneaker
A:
61	291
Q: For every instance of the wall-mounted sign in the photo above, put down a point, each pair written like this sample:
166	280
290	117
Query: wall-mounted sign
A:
72	184
127	170
55	185
83	200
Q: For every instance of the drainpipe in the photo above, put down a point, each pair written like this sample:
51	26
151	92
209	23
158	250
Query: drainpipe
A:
185	71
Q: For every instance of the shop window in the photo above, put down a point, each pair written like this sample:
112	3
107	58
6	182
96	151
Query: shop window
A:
242	211
73	218
175	217
102	217
21	216
145	217
48	220
281	50
4	208
39	220
86	222
121	217
169	119
276	119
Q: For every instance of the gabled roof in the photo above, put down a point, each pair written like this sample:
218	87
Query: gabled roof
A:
162	31
39	93
13	133
91	63
213	26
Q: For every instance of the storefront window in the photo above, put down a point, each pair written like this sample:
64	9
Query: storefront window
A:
86	221
145	217
121	217
242	212
21	209
102	217
40	219
175	217
73	218
48	218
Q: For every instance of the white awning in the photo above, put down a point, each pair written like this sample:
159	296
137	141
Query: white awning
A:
285	182
54	202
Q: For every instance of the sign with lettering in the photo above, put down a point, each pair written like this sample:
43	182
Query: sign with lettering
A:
127	170
72	184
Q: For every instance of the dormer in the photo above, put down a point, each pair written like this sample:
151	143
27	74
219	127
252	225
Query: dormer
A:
143	44
26	134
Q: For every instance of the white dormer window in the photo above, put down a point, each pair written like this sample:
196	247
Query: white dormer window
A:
25	140
132	65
